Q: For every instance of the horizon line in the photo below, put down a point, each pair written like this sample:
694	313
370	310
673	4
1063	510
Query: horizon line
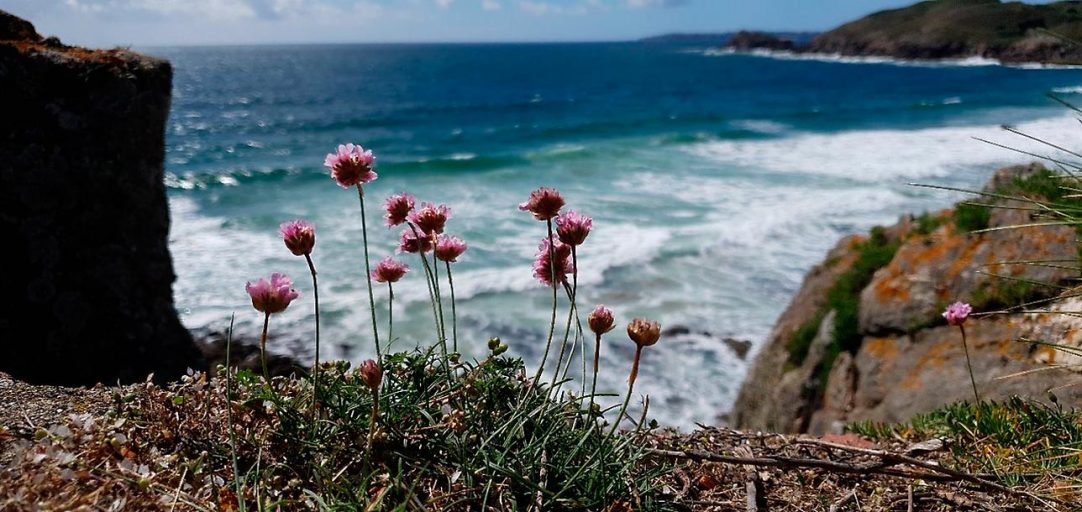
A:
641	39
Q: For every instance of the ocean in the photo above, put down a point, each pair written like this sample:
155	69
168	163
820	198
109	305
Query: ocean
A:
715	181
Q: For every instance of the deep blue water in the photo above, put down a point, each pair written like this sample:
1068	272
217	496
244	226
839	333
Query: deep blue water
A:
715	181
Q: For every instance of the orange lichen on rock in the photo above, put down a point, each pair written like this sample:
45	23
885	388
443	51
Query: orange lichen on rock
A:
882	348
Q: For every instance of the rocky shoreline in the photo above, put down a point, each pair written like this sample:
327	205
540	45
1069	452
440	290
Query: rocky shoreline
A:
862	339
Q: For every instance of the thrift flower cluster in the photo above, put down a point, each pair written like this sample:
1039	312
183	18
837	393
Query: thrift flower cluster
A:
424	232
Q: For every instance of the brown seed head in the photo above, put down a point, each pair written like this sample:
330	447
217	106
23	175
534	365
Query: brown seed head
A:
644	332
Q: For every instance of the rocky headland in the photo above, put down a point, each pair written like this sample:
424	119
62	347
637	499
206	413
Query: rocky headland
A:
84	212
863	339
1011	32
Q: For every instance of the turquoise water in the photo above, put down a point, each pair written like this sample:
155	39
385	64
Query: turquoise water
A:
715	181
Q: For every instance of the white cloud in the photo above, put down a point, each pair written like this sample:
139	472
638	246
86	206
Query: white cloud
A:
491	5
643	4
215	10
546	8
443	4
224	10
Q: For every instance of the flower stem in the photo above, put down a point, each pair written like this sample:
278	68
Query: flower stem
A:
390	315
263	347
630	388
597	362
431	290
552	323
563	346
454	314
315	366
229	412
368	271
372	420
439	295
969	365
571	314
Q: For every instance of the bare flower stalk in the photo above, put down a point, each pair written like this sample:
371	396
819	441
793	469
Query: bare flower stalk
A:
368	270
263	347
956	314
315	365
552	323
439	295
969	365
454	314
431	289
644	333
630	389
597	363
571	315
229	413
390	314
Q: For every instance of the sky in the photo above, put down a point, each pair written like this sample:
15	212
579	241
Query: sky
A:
107	23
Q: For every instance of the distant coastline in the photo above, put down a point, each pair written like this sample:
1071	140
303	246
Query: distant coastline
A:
960	30
720	39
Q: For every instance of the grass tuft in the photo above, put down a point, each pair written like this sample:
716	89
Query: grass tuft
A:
1019	441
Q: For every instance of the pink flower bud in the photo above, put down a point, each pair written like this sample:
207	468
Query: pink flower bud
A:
371	374
299	236
430	218
573	228
389	271
449	248
545	265
398	208
957	313
544	203
409	242
601	320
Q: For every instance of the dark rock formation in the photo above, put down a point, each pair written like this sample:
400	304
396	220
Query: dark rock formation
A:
948	29
745	40
243	353
906	360
739	347
1010	32
88	284
14	28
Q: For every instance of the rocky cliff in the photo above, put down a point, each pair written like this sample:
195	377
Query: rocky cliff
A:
88	275
943	29
1010	32
863	338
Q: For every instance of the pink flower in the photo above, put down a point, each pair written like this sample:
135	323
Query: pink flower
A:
957	313
573	228
273	296
371	374
449	248
601	320
299	236
398	207
410	243
544	268
544	203
389	271
351	165
430	218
